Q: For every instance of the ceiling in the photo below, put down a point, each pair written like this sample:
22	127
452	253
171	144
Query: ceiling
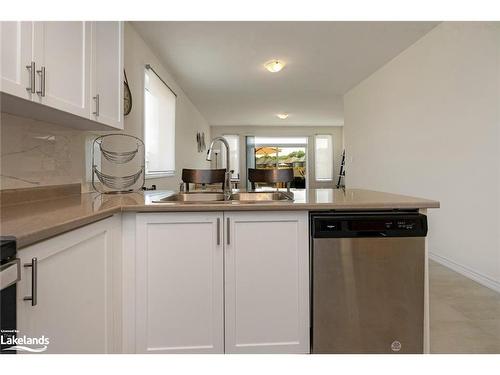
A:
219	65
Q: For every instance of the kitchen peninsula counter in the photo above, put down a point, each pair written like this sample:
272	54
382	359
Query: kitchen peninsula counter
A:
37	220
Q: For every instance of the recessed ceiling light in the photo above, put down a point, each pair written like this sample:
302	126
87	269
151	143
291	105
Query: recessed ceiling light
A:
282	115
274	66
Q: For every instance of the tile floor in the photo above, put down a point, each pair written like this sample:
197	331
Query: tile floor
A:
464	315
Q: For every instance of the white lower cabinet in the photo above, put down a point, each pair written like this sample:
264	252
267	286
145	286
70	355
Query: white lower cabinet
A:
266	282
77	290
214	283
198	282
179	283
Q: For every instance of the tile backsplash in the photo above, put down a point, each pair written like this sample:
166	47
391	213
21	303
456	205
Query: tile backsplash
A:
35	153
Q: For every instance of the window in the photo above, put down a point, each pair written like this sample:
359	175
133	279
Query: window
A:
234	156
159	126
323	157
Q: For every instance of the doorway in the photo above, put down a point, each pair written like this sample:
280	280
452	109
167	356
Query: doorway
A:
279	153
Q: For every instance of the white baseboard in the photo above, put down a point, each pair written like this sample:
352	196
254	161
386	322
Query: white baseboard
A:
467	272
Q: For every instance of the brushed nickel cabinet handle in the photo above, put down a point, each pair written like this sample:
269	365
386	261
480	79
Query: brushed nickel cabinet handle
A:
31	68
218	231
96	112
228	237
34	286
41	92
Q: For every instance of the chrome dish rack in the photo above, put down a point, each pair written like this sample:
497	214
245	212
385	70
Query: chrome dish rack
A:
125	160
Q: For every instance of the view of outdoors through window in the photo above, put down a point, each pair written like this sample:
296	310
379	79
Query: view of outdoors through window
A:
285	153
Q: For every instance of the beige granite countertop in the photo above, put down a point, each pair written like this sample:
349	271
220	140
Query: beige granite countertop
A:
35	221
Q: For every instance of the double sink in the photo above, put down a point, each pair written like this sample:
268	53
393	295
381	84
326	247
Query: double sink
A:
217	197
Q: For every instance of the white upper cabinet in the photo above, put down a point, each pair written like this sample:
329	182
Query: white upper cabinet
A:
62	54
75	67
107	73
16	58
266	282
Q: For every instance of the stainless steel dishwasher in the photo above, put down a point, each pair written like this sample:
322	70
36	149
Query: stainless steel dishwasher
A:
367	282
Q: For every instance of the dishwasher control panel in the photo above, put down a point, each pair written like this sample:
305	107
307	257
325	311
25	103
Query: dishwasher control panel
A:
338	225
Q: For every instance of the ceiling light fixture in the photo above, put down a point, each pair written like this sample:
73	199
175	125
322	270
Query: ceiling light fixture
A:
274	66
282	115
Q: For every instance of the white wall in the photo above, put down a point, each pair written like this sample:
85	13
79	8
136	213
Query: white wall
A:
188	120
427	124
289	131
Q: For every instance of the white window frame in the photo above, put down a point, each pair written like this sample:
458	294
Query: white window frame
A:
160	174
315	159
223	156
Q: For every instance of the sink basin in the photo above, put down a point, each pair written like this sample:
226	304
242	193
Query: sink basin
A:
194	197
262	196
217	197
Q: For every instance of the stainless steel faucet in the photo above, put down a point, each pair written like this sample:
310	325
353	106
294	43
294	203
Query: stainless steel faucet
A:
227	175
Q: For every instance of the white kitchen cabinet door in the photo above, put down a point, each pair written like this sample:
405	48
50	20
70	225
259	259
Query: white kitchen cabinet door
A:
266	282
107	73
179	283
63	49
78	290
16	54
